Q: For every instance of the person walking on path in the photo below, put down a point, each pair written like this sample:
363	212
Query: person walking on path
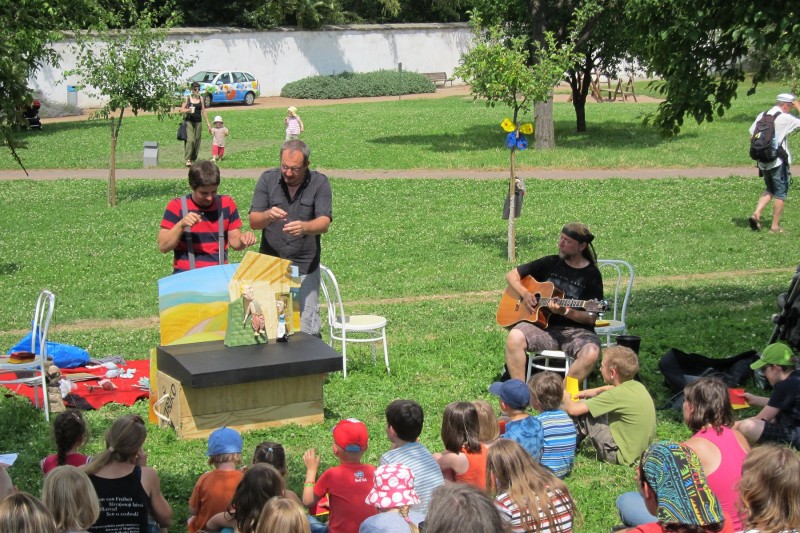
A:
294	124
777	176
195	115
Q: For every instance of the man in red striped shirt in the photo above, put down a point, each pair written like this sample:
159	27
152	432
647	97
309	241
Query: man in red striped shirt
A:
192	229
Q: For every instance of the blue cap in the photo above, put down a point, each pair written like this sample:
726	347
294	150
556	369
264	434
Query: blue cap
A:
514	393
224	440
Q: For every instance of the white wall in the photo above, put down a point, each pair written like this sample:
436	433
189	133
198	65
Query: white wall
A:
278	57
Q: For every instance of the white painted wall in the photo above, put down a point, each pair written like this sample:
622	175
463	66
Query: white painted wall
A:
278	57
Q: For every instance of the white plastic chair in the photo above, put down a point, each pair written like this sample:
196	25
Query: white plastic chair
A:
34	373
350	328
621	279
619	275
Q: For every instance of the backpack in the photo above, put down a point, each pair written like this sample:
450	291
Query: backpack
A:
763	144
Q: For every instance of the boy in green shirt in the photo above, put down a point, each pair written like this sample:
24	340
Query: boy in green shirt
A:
619	418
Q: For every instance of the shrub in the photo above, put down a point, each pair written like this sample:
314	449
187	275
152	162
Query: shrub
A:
352	85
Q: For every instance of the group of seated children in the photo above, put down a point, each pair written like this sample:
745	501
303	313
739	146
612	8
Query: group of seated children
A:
710	483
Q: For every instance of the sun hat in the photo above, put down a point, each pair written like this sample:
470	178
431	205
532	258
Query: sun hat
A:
351	435
292	111
393	486
514	393
224	440
674	473
774	354
218	119
786	98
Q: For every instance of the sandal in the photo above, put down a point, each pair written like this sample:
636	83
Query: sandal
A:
755	225
779	230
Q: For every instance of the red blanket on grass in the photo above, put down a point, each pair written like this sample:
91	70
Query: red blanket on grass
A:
88	395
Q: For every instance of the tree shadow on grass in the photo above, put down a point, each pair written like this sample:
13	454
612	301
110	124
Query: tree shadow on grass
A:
496	243
612	135
133	190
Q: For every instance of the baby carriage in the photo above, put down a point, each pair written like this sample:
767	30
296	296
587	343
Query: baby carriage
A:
32	115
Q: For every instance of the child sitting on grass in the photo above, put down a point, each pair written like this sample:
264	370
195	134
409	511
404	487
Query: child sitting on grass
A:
488	426
464	458
779	419
260	483
619	418
558	450
347	484
273	453
520	426
404	420
69	433
214	490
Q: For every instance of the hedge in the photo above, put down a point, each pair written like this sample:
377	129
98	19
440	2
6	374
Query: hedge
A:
353	85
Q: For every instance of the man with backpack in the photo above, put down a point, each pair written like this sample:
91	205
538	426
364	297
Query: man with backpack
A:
769	148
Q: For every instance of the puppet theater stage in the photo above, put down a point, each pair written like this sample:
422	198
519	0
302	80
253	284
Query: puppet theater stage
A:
212	369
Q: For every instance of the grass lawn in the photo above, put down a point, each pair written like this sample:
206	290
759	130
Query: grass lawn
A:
447	133
427	254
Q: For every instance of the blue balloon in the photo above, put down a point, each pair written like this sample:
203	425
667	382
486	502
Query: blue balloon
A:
522	142
511	140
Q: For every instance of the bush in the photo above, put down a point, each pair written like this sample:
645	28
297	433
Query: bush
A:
353	85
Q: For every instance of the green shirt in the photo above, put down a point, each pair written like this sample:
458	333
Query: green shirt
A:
631	418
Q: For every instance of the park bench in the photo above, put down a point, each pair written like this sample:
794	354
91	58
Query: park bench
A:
439	77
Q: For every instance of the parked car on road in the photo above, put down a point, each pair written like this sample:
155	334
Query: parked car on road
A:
226	86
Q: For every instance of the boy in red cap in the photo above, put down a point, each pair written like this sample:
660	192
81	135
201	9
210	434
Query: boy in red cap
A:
346	485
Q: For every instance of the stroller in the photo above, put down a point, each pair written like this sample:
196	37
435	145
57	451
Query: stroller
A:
32	115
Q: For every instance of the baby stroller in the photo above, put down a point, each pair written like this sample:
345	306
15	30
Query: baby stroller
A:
32	115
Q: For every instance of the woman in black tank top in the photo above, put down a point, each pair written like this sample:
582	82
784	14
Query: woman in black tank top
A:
195	115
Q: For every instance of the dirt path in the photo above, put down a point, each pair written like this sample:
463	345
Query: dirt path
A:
480	296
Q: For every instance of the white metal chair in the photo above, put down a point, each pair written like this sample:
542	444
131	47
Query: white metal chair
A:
621	279
34	373
619	275
350	328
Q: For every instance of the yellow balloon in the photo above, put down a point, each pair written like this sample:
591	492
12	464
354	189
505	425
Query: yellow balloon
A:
526	128
507	125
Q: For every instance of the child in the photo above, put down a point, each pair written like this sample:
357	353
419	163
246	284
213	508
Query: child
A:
769	487
779	419
260	483
282	515
488	426
393	495
218	133
404	420
69	495
273	453
22	513
69	433
214	490
464	458
294	126
619	419
346	485
520	426
529	496
558	450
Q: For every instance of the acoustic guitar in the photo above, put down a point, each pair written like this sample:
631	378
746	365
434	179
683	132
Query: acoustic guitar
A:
513	310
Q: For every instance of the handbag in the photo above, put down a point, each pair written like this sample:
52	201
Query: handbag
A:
182	131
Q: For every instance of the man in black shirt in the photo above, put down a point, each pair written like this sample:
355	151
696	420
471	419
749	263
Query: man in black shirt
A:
573	271
293	206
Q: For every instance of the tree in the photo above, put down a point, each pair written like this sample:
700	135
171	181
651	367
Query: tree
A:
499	68
136	69
27	30
700	49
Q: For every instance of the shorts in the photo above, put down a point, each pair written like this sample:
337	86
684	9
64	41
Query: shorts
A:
777	181
570	340
783	434
217	150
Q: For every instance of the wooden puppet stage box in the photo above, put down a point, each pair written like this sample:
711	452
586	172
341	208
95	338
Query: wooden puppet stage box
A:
206	385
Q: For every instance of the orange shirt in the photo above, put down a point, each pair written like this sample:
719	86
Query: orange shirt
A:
476	473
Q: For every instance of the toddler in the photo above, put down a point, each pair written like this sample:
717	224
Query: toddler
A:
294	126
218	134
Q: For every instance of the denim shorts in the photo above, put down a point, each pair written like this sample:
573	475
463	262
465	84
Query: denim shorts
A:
777	181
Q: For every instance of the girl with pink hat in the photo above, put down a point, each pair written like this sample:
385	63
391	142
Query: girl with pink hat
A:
393	495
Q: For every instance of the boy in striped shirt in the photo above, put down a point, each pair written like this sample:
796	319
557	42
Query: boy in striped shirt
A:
558	454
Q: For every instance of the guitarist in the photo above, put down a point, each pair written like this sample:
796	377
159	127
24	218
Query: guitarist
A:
573	271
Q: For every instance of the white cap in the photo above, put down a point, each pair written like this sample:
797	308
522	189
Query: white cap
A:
218	119
786	98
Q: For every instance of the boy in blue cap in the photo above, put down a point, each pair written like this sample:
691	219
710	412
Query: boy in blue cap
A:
520	426
779	419
214	490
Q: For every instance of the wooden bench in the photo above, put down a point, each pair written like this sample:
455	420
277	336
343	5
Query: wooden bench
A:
439	77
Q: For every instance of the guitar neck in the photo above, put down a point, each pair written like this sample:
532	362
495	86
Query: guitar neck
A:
563	302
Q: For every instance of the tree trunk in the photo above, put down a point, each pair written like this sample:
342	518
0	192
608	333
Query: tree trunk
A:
512	215
111	198
579	103
543	114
